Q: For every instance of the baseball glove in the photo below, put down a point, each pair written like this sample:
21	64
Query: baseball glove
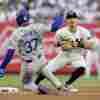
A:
66	44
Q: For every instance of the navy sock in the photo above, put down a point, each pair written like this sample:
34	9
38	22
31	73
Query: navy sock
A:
8	57
75	75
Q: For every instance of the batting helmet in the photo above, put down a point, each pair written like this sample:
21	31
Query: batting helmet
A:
22	17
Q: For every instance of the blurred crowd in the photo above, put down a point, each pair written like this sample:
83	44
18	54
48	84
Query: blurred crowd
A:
87	9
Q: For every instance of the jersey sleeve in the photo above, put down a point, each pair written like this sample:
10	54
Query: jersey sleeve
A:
91	38
58	37
9	43
64	35
12	41
87	34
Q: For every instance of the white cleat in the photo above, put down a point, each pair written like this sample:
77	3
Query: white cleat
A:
9	90
71	88
31	87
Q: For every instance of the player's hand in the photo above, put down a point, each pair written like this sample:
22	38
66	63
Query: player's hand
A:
78	43
88	44
70	44
75	44
66	44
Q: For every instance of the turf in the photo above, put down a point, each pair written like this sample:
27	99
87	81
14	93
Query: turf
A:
89	89
13	80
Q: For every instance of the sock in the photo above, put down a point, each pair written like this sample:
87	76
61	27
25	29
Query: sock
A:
39	79
43	90
8	57
75	75
27	78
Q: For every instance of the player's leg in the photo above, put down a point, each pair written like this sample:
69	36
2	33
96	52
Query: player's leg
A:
41	69
36	67
40	78
28	83
59	86
52	78
77	73
26	78
58	62
53	65
8	57
40	62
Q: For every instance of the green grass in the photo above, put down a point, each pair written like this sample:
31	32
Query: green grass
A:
10	80
13	80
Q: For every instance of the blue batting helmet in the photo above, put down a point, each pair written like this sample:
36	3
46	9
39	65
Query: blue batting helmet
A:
22	17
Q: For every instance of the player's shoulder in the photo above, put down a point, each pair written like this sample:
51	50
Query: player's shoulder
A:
18	32
62	30
25	28
83	29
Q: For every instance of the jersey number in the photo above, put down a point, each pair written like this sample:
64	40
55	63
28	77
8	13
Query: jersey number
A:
30	45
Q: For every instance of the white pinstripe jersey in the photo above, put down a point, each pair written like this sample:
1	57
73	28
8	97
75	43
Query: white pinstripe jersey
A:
81	33
28	40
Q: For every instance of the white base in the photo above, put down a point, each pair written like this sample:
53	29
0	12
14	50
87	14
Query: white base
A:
9	90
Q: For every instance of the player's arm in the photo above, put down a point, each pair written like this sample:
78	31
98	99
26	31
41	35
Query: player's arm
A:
64	41
41	28
89	42
47	27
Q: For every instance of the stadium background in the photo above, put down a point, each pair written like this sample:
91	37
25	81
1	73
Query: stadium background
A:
43	10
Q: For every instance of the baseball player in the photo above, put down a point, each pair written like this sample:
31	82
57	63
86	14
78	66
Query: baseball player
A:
26	42
72	39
